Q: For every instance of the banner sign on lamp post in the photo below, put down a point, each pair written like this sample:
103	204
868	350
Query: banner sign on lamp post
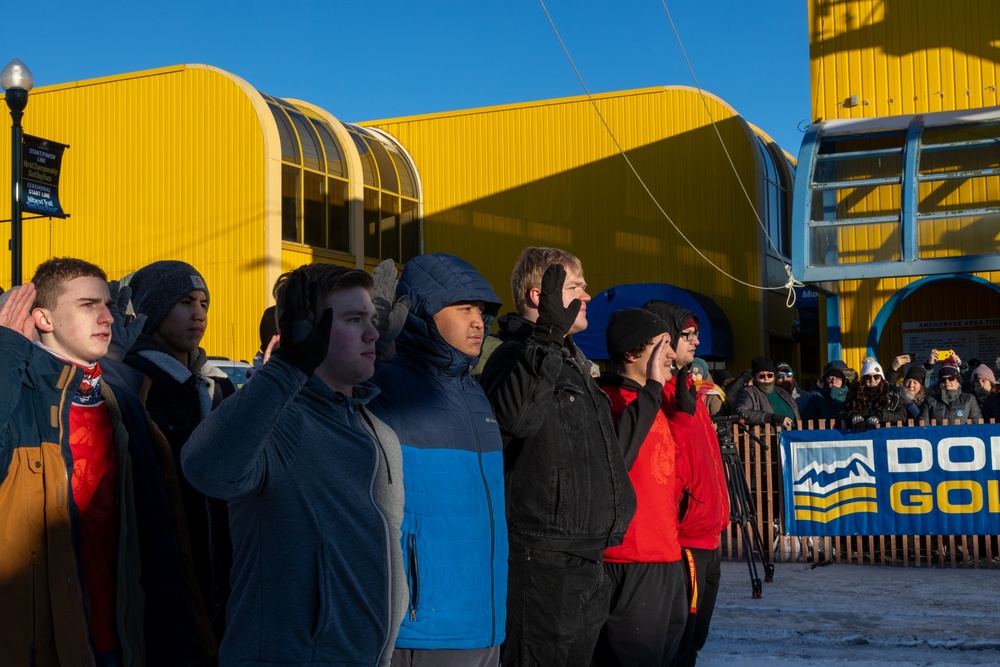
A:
41	161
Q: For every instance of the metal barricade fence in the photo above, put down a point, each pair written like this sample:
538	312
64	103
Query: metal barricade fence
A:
762	468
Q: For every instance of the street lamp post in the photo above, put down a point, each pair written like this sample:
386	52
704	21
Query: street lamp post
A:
16	80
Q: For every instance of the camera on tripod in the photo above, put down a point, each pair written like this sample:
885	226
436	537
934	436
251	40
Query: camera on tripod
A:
742	510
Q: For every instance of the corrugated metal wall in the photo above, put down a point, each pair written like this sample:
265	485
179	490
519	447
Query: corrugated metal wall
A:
902	56
499	179
163	164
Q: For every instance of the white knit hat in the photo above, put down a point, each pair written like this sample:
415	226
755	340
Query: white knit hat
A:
870	366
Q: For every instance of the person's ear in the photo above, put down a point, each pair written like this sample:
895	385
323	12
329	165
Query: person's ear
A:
43	320
534	296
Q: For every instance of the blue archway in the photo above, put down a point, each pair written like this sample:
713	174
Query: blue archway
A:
875	333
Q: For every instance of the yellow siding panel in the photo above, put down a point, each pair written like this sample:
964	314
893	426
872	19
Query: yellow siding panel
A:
498	180
902	57
167	164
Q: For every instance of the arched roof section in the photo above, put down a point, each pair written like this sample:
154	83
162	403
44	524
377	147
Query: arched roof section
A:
272	173
878	324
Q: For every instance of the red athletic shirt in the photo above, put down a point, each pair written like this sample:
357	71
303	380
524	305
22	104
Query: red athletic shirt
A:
652	535
94	480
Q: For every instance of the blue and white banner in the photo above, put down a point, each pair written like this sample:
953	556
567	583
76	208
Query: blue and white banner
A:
942	480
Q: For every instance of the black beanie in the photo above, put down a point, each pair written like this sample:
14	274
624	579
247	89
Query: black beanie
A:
915	372
630	327
157	287
761	364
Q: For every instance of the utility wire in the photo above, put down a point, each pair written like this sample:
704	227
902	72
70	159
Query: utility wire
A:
791	280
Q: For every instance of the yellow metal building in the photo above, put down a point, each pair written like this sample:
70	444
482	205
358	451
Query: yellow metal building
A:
550	173
898	198
192	163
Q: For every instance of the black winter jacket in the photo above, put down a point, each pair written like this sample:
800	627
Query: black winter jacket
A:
566	482
951	405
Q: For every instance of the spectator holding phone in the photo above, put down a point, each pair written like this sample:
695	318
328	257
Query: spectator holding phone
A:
950	404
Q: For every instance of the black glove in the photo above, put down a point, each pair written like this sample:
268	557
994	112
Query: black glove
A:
776	420
304	344
687	395
858	423
741	381
125	328
555	319
873	422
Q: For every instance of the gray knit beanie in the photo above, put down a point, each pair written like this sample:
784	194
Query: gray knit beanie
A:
157	287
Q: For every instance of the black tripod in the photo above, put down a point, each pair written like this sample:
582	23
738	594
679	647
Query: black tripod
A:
741	507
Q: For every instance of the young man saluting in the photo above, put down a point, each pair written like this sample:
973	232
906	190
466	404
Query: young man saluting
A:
568	492
313	483
91	567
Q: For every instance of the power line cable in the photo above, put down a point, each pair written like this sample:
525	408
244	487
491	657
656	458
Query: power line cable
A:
790	284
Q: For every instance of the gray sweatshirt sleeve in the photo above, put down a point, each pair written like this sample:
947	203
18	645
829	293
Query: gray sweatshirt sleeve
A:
225	456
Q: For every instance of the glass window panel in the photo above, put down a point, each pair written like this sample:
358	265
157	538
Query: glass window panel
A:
290	179
390	227
338	223
409	231
407	184
958	236
372	218
368	168
852	203
971	158
386	169
312	155
289	142
334	156
314	210
947	134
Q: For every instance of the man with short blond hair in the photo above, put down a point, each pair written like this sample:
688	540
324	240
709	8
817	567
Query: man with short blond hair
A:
569	497
92	563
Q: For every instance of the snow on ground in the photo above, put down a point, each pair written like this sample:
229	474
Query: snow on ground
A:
865	615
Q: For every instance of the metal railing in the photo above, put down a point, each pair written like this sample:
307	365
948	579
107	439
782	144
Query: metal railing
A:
762	468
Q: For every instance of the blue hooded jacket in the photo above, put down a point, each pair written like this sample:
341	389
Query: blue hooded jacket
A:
454	530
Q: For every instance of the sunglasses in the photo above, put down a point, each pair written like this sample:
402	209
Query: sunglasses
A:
765	376
873	378
688	335
785	375
950	378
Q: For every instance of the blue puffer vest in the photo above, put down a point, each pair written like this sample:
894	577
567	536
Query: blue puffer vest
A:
454	531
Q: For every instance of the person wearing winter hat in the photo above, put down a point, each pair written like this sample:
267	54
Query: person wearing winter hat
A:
784	377
874	402
184	389
763	402
986	390
950	404
837	365
701	478
645	625
913	393
829	399
709	392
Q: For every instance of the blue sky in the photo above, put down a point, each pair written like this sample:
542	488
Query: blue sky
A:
385	58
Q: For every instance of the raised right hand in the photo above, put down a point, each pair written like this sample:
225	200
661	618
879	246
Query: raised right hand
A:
15	314
555	319
304	342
